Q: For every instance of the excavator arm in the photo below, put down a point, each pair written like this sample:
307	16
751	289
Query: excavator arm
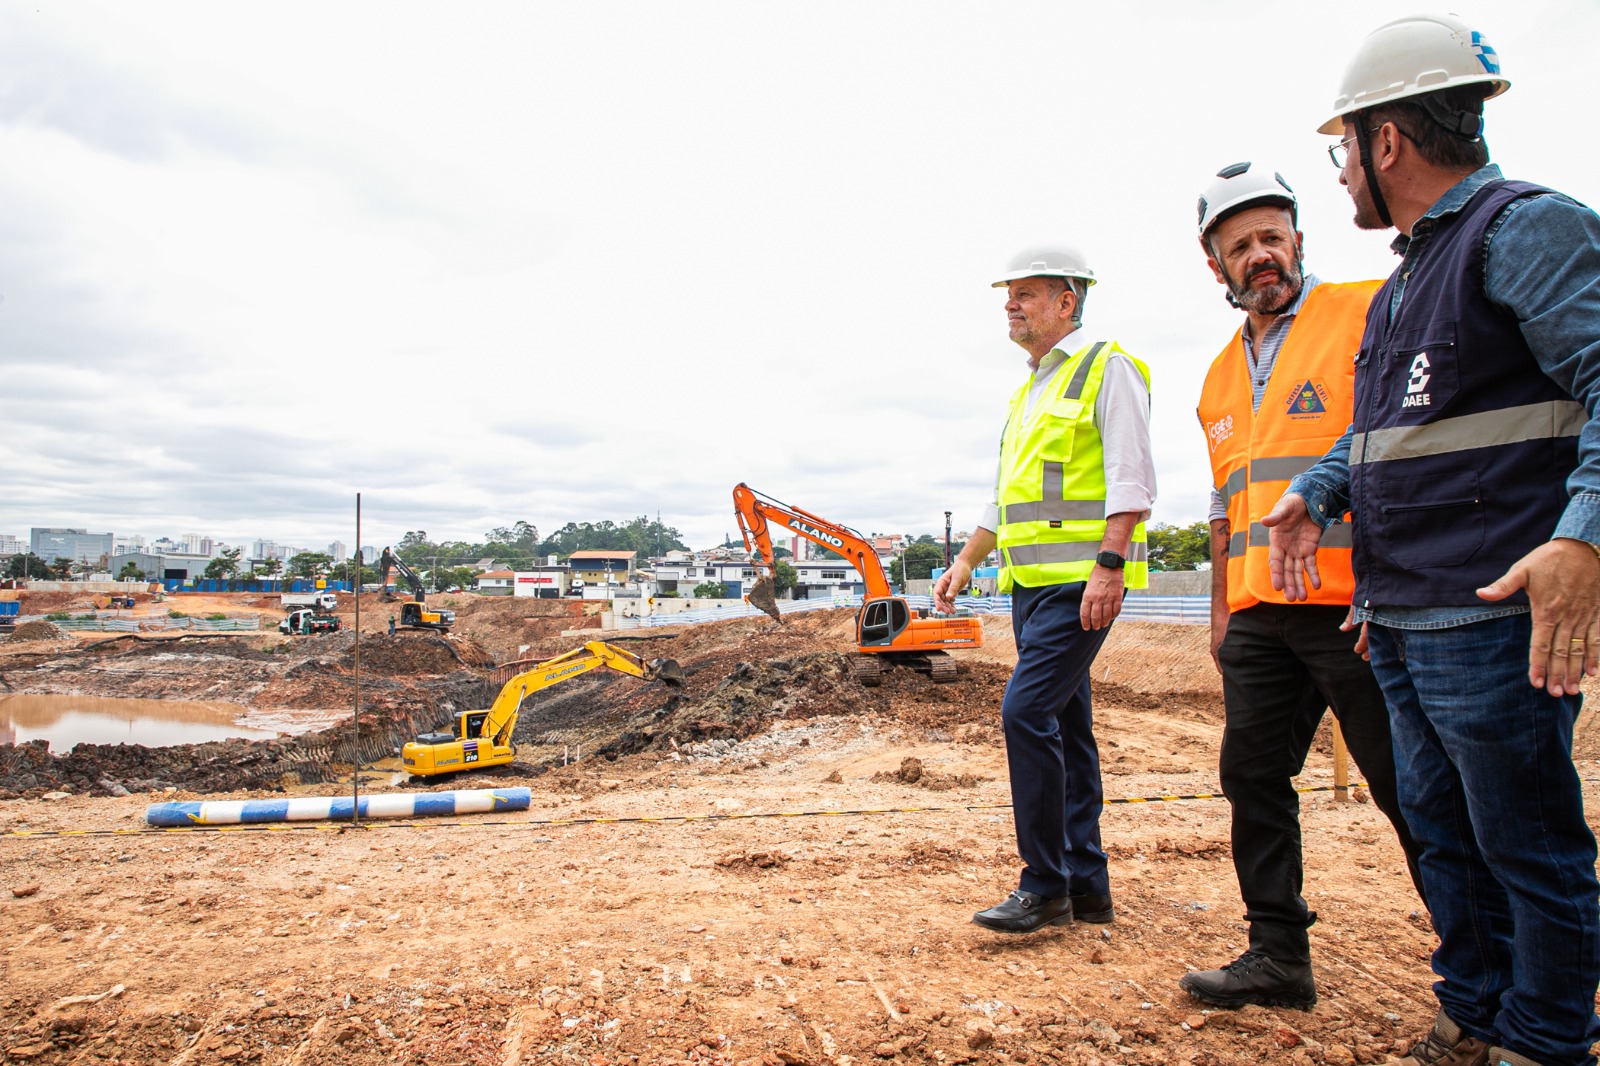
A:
757	513
390	562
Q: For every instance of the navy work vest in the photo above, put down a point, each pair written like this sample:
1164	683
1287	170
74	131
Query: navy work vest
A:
1462	445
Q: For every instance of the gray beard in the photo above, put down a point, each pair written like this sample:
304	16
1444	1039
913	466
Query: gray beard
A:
1272	300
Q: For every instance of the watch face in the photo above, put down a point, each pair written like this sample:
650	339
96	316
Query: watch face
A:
1110	560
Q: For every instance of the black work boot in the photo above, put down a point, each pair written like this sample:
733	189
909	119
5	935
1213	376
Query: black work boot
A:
1254	978
1024	912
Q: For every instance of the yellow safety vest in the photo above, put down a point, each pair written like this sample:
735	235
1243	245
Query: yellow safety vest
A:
1053	481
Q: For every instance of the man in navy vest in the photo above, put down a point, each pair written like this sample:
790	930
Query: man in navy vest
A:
1472	473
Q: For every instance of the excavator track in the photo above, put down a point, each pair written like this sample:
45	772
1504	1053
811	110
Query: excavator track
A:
941	667
868	670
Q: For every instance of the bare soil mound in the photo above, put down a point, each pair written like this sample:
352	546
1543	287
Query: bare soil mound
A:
38	630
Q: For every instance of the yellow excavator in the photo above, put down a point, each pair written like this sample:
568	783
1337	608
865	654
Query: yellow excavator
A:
483	738
415	612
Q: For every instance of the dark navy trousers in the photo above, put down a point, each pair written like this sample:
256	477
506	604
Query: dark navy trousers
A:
1055	765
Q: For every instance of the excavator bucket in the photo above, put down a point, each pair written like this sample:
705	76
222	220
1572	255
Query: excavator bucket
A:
666	670
763	597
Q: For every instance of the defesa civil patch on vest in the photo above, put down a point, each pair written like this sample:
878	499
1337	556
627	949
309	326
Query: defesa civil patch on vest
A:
1309	400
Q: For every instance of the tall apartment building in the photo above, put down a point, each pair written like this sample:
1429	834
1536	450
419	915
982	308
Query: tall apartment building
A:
337	550
10	545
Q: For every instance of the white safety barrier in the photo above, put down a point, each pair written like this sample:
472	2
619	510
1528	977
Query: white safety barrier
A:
338	808
1137	607
110	624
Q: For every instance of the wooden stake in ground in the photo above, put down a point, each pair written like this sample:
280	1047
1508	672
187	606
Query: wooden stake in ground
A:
1341	764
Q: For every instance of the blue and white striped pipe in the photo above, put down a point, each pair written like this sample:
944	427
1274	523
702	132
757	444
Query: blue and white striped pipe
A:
337	808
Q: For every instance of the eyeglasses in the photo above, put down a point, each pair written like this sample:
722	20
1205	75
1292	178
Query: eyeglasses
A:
1341	151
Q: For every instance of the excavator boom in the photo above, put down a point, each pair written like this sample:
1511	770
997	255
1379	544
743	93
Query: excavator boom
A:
757	513
886	628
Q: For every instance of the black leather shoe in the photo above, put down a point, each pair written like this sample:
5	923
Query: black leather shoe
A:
1254	978
1024	912
1095	909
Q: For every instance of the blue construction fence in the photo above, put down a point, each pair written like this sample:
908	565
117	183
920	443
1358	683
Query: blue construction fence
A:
204	584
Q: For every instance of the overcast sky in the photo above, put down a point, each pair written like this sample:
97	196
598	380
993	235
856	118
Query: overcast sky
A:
503	261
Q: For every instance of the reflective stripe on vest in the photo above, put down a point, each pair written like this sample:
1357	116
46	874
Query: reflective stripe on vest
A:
1305	408
1052	481
1550	420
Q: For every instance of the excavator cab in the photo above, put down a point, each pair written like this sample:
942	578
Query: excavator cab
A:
881	621
418	616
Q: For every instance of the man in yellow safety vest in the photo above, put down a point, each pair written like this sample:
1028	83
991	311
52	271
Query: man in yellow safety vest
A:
1075	485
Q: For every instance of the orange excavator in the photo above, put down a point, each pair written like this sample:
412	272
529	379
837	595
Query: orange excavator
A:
888	631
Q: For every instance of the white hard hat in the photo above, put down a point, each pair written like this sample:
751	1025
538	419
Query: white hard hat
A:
1412	56
1057	262
1239	185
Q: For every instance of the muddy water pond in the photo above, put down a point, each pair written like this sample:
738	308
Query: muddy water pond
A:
68	720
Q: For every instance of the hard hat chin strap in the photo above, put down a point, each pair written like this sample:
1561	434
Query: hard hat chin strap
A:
1467	125
1364	146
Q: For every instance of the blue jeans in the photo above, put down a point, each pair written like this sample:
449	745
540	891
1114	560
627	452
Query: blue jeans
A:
1056	796
1484	763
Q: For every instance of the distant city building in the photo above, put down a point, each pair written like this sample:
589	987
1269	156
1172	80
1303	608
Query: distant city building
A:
602	567
124	545
79	545
10	545
180	566
165	546
266	549
337	550
369	555
196	544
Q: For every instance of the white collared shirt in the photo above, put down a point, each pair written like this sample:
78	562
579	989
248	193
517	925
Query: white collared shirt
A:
1122	417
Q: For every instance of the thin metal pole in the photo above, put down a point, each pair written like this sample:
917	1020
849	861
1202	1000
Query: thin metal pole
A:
355	717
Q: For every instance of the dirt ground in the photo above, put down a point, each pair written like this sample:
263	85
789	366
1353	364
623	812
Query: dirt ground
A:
800	893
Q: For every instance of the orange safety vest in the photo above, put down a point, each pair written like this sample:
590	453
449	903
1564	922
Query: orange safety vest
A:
1304	410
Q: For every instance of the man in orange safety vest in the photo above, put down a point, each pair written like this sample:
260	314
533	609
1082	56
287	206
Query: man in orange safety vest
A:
1274	401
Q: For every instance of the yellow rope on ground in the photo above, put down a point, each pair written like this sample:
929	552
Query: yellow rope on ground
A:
552	823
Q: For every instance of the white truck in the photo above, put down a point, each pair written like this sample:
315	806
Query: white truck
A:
317	601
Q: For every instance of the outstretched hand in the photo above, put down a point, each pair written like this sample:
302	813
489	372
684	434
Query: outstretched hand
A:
1563	581
1293	536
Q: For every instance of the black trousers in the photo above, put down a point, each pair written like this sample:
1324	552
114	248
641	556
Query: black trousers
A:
1282	667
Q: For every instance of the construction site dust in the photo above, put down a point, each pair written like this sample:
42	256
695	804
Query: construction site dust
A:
767	863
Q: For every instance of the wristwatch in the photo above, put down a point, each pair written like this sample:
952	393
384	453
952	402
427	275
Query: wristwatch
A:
1110	560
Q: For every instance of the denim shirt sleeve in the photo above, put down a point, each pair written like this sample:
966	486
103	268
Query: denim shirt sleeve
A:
1542	263
1326	486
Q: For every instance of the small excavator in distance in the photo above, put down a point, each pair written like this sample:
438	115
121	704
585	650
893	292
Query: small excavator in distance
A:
414	613
483	738
887	629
